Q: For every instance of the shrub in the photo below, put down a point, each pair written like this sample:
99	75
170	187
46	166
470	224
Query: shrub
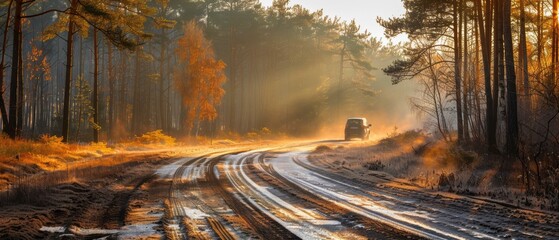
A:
47	139
322	148
203	140
402	138
156	137
252	135
265	131
464	159
100	147
375	166
233	136
446	180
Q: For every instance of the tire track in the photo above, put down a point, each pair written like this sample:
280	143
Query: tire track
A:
456	216
374	229
261	223
176	228
117	209
182	196
219	229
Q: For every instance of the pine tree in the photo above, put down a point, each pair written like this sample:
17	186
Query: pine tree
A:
352	45
427	23
3	111
512	109
121	23
16	55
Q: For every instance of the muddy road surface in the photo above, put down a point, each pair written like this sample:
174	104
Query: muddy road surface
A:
278	193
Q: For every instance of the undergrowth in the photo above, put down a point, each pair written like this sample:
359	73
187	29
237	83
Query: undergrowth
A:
156	137
437	164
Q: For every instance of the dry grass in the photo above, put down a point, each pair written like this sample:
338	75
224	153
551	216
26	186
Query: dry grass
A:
23	158
322	149
12	148
416	158
32	188
30	167
411	155
48	146
225	138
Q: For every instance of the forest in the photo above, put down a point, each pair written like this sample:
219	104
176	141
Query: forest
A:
108	70
282	69
489	74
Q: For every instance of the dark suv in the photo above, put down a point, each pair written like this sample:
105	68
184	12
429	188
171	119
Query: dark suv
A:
357	128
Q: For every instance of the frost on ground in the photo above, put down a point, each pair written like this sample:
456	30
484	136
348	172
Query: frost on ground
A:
416	159
127	232
58	229
426	214
391	181
303	222
194	213
169	169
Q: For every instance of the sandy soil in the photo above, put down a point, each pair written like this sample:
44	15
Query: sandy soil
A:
95	198
118	194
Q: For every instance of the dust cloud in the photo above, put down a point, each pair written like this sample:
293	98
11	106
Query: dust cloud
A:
388	111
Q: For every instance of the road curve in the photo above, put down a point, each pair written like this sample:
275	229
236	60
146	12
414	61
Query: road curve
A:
427	214
276	193
233	195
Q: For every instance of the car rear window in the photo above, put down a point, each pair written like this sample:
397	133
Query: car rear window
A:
354	122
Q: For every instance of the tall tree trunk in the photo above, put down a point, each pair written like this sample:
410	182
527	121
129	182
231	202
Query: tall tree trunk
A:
242	99
477	84
162	108
512	110
539	37
68	80
555	44
79	100
436	102
21	96
457	71
523	60
3	111
112	96
465	70
168	106
484	25
497	56
136	107
16	53
35	121
232	66
81	95
78	103
122	117
340	80
95	97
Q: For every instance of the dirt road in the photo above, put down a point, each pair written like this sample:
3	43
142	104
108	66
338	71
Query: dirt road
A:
277	193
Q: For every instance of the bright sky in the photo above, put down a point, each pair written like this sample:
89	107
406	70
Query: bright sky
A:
365	12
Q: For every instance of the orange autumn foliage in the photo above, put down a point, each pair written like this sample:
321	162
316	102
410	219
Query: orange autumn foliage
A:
199	77
37	66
